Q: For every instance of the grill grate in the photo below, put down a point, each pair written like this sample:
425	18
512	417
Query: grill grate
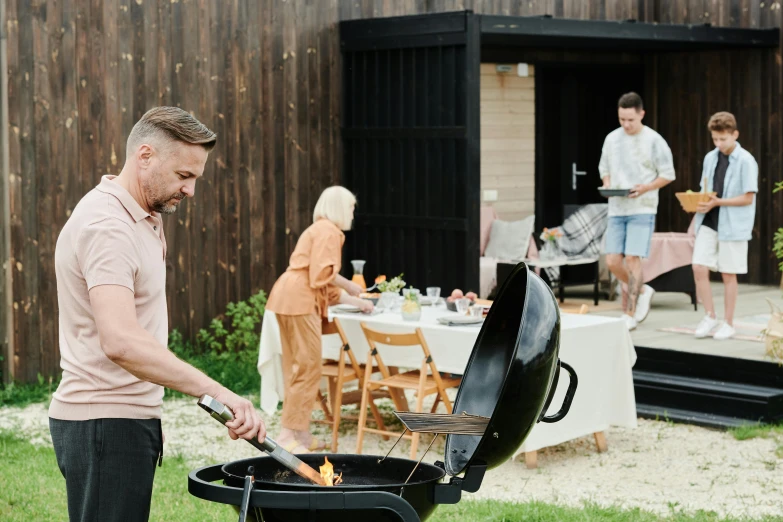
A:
456	424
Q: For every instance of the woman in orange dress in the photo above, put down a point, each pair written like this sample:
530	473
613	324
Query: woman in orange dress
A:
300	299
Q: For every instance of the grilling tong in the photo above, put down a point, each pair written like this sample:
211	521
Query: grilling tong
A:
222	414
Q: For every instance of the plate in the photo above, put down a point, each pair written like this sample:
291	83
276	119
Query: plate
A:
346	308
610	192
458	320
428	301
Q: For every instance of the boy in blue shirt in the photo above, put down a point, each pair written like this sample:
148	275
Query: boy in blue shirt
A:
724	224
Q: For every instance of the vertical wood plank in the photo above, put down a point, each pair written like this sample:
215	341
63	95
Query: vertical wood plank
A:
271	123
205	294
110	142
254	222
125	80
289	98
179	264
41	234
6	266
139	60
24	243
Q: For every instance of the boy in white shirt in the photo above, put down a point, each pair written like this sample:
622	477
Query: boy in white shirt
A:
634	157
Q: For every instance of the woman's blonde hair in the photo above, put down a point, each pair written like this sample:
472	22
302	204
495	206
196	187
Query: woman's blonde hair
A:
336	204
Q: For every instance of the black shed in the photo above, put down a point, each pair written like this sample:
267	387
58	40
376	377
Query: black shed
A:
442	112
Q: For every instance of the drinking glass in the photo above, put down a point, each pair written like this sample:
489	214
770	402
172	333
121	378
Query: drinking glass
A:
476	311
462	305
407	291
433	292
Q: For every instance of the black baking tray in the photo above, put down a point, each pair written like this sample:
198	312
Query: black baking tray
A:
610	192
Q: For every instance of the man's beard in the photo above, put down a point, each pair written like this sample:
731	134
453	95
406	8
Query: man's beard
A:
158	202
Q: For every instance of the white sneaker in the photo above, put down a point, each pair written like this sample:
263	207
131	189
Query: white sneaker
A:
643	303
726	331
706	325
630	322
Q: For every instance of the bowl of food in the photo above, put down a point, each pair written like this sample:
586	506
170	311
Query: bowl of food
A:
451	301
690	200
373	297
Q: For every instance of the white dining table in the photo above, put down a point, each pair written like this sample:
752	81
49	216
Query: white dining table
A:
598	348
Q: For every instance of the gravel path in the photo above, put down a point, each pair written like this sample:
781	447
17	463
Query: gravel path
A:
658	467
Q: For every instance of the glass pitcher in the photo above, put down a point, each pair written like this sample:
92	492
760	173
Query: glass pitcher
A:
358	273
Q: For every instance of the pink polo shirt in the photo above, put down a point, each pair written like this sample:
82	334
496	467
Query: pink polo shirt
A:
108	240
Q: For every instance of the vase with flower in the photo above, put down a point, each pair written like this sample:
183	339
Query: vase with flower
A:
550	249
411	307
390	293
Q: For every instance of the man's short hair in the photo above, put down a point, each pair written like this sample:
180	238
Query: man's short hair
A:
630	100
173	124
722	122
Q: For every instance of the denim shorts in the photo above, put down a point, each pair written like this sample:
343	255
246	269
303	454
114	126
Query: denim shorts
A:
630	235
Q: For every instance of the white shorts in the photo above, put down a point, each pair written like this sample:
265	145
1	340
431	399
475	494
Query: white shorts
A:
726	257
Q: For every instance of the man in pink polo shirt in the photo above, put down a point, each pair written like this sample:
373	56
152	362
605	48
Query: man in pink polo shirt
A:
111	289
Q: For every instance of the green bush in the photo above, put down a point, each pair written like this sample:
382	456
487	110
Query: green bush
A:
17	394
227	350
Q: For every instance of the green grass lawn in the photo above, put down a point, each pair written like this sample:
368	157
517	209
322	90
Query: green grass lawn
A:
32	488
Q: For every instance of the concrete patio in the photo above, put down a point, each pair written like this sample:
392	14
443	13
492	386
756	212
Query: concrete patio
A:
671	310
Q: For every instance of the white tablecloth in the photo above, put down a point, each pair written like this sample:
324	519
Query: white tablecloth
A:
598	348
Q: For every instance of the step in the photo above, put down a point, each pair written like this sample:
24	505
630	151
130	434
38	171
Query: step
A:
736	389
708	396
716	367
707	390
705	420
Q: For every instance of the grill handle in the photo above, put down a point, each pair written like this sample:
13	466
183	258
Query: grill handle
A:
222	414
569	396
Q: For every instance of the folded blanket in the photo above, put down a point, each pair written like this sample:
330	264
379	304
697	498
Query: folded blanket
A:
582	234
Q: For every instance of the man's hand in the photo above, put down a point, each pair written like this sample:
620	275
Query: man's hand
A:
247	423
706	206
638	191
607	182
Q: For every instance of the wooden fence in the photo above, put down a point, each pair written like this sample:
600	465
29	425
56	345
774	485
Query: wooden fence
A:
265	75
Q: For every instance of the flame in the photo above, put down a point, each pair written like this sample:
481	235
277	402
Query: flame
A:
380	279
327	473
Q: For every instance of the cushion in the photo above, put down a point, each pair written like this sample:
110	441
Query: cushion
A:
488	215
510	240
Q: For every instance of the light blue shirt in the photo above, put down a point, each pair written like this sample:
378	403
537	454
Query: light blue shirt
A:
742	176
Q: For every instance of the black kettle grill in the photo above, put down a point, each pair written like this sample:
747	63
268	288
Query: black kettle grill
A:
510	379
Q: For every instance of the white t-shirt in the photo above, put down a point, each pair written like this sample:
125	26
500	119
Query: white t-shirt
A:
634	160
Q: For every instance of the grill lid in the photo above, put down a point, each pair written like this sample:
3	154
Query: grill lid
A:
512	373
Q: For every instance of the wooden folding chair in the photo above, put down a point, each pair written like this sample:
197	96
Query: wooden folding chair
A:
338	373
422	381
580	311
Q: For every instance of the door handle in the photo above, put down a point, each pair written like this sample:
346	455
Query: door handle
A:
574	174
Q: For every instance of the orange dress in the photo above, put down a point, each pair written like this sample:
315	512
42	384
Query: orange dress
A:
306	288
300	299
